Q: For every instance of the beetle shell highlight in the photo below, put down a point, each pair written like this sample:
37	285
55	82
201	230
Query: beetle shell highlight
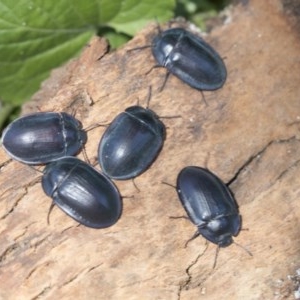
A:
209	205
82	192
42	137
190	58
131	143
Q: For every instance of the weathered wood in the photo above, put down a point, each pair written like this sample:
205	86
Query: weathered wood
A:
248	134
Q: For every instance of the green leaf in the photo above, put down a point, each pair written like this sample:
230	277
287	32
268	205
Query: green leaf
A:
129	20
39	35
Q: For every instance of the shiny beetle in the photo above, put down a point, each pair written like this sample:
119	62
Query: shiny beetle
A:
209	205
190	58
131	143
82	192
42	137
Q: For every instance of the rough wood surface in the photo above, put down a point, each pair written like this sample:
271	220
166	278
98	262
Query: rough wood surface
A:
248	134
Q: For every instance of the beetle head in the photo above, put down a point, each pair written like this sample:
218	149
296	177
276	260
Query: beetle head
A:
220	231
220	239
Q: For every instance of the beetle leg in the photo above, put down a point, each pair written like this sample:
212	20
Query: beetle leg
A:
165	81
196	234
139	48
85	155
49	211
154	67
216	256
203	97
137	188
179	217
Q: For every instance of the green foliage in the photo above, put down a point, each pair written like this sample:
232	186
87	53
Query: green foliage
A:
39	35
198	11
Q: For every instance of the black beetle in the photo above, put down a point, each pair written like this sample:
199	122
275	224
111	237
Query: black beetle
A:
42	137
82	192
190	58
131	143
209	204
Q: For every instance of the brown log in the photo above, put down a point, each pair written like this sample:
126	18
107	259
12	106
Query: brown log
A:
248	134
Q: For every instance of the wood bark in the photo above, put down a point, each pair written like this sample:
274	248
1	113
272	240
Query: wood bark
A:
248	134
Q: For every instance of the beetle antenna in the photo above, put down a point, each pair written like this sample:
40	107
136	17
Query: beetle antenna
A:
49	212
216	256
248	251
